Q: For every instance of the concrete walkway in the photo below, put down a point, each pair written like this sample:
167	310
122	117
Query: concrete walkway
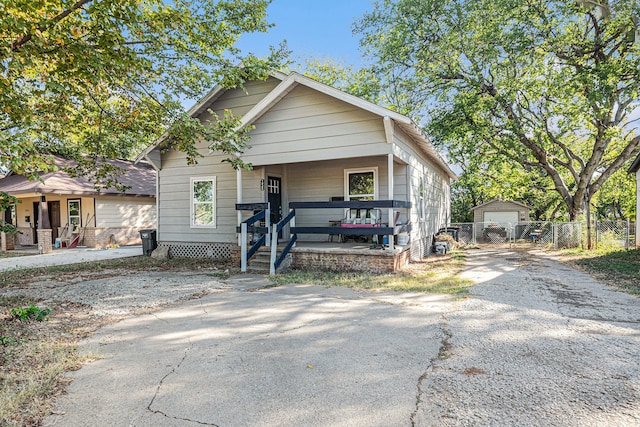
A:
66	256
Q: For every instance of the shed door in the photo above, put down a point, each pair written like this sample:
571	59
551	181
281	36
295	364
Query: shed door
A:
501	218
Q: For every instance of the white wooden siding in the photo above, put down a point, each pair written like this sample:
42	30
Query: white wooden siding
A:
174	178
436	190
125	212
307	126
319	181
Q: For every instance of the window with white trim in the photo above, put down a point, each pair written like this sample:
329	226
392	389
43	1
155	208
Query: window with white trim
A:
361	184
203	202
75	215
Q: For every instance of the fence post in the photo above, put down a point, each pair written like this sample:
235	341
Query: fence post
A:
628	235
554	227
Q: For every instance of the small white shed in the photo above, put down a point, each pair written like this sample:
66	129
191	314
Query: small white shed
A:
501	212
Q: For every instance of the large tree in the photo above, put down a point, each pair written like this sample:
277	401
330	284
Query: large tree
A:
547	85
104	78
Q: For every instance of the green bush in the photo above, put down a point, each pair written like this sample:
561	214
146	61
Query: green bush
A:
31	312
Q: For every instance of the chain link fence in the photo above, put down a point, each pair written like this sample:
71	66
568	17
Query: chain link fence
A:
558	235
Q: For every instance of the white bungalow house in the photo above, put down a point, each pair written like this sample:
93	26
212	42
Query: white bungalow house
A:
635	169
338	161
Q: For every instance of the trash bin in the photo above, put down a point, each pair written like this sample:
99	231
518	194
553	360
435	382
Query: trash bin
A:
149	241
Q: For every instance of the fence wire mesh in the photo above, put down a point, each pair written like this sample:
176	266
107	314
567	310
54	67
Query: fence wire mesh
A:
558	235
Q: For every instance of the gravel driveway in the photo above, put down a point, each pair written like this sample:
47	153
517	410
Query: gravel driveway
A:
535	343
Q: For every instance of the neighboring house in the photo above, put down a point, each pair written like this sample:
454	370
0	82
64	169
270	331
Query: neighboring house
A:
67	205
311	143
497	215
635	169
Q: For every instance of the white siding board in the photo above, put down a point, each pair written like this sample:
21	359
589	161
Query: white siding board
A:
125	212
312	155
319	181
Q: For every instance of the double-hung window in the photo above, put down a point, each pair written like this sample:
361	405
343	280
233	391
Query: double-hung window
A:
203	202
75	216
361	184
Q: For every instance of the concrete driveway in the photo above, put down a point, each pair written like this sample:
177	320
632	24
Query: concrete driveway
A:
536	343
66	256
288	356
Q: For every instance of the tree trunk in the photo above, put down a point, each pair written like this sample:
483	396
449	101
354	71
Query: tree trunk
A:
587	209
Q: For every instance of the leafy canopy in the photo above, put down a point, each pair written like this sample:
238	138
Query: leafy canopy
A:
108	77
547	85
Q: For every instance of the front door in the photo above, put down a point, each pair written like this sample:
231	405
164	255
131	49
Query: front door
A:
274	197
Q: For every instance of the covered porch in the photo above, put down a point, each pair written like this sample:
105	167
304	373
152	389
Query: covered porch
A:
375	250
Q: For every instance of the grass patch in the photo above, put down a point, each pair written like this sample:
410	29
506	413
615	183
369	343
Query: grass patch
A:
33	358
34	355
436	275
619	268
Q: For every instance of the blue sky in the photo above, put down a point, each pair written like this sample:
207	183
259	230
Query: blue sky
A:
312	29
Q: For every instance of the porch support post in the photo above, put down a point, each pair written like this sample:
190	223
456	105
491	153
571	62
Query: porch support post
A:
243	247
390	191
239	200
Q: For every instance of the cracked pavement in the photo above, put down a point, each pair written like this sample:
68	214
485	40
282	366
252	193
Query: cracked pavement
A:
535	343
291	355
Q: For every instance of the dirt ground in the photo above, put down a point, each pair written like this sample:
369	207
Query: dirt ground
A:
45	350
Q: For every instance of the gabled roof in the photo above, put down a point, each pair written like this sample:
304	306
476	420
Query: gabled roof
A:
403	122
140	177
289	82
635	165
522	205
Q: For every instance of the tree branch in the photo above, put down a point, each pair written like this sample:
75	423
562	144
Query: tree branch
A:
21	41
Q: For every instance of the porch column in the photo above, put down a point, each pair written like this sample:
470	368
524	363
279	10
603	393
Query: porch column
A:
239	199
390	191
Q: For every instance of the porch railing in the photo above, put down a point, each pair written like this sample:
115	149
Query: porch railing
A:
389	230
276	261
269	234
263	212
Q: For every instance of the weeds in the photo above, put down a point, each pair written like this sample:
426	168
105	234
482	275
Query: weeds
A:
32	312
433	275
617	268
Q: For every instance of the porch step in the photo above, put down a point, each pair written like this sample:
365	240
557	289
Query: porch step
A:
261	261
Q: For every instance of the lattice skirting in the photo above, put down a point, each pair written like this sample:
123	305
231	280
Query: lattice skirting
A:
421	248
199	250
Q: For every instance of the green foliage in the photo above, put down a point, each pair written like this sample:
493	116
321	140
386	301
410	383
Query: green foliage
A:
31	312
545	90
106	78
9	341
